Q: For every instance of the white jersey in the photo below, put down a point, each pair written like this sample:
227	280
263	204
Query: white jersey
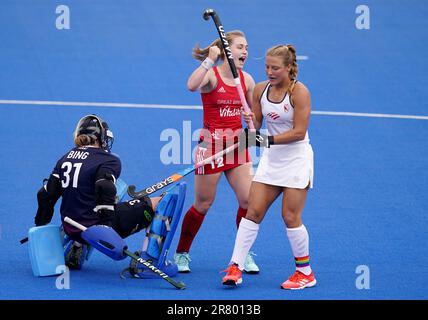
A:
287	165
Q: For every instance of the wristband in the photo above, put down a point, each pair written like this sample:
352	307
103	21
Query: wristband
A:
270	140
207	64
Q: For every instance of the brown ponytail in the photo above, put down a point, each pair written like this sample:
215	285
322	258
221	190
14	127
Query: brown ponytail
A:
84	140
202	53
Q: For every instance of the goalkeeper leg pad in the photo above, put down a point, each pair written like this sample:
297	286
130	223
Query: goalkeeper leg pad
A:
162	229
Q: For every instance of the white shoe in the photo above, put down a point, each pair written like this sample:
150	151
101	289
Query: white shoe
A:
250	265
182	260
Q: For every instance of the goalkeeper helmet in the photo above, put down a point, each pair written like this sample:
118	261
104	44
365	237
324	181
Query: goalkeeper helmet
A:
97	129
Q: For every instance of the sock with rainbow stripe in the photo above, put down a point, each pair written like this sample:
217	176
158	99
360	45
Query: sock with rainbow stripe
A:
299	242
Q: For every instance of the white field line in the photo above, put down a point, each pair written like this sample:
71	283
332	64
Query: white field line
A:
370	115
188	107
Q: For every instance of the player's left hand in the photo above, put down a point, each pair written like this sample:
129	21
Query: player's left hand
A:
250	138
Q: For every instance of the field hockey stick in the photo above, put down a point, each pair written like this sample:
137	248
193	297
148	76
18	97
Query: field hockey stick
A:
228	52
178	285
177	176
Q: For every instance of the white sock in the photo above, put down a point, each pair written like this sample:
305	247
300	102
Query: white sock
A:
299	241
247	234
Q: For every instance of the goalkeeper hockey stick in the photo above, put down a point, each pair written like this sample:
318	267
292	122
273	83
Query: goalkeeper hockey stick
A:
178	285
24	240
177	176
228	53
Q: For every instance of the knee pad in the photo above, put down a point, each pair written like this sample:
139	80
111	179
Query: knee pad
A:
75	255
132	216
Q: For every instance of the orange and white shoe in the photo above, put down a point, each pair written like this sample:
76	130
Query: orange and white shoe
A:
299	281
233	276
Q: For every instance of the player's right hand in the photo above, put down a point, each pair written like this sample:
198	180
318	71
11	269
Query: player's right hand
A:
214	53
248	117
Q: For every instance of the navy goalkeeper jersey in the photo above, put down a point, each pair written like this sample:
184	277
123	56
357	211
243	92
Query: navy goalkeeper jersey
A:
78	170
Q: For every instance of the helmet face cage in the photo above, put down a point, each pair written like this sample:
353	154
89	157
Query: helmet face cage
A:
97	129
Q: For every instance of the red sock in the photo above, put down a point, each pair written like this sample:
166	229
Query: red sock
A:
239	215
191	223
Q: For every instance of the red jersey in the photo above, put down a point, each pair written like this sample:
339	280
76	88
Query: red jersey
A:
222	107
222	118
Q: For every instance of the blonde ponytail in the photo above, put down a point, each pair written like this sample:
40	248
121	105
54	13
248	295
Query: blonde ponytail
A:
294	69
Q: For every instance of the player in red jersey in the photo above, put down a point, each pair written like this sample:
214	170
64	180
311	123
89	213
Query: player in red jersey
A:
221	126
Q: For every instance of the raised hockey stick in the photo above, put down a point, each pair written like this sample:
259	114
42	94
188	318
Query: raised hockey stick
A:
228	52
177	176
178	285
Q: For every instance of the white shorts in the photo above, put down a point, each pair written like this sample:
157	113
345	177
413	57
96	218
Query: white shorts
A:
289	166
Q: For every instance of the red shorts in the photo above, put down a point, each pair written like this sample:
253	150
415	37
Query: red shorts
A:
229	161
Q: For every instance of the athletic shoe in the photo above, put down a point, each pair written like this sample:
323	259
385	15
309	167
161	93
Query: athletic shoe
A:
299	281
182	260
75	256
233	276
250	265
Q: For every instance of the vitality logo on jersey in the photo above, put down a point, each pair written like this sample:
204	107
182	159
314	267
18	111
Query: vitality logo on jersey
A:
273	115
228	112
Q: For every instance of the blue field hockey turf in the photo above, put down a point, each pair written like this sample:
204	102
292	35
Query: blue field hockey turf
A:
367	210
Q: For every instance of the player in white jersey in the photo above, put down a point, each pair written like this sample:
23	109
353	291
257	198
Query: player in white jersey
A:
286	166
